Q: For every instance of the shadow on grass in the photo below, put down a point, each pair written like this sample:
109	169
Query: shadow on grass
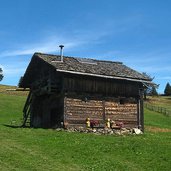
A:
15	126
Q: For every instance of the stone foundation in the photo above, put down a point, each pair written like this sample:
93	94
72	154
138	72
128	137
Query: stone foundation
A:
104	131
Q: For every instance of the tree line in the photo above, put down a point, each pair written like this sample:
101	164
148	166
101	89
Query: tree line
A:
151	90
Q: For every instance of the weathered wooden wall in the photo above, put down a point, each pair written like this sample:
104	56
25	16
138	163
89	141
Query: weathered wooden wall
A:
100	86
47	111
36	112
42	77
77	110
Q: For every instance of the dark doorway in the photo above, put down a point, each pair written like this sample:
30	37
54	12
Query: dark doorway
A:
55	118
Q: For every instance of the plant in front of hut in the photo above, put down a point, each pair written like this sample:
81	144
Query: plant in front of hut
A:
120	124
94	123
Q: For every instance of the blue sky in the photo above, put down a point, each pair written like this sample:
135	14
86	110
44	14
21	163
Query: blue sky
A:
135	32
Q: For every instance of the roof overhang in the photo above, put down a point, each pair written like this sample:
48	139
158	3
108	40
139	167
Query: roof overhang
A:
105	76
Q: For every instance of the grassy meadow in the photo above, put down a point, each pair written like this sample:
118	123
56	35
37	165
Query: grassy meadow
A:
47	149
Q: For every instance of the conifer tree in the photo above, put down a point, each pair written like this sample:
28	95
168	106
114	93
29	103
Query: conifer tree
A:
167	90
20	81
1	75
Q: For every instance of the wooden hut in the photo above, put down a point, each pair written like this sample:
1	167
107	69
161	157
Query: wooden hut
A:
66	91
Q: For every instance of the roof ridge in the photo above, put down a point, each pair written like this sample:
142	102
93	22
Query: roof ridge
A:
40	53
96	60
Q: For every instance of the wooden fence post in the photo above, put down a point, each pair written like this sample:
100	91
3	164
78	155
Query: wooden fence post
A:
158	109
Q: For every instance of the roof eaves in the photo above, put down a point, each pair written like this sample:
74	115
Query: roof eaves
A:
105	76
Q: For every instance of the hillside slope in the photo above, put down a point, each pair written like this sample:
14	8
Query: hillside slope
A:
161	101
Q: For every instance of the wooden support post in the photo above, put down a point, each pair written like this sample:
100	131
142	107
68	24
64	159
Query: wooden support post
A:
138	112
104	113
141	110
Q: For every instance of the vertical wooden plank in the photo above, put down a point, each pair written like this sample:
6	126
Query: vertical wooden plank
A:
46	114
63	83
64	108
104	112
138	112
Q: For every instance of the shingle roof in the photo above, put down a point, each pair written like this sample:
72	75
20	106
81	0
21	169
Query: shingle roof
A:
92	66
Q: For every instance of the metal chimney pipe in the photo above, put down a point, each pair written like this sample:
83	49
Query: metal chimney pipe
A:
61	52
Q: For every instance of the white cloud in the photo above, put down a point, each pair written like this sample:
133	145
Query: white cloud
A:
50	43
42	47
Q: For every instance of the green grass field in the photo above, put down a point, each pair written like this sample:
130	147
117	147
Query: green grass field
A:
46	149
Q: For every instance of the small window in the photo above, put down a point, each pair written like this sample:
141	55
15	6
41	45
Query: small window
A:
85	99
121	101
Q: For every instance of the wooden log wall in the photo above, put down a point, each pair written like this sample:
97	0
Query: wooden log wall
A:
126	112
77	110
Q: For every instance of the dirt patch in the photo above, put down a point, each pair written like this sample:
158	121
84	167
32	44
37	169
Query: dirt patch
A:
157	129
